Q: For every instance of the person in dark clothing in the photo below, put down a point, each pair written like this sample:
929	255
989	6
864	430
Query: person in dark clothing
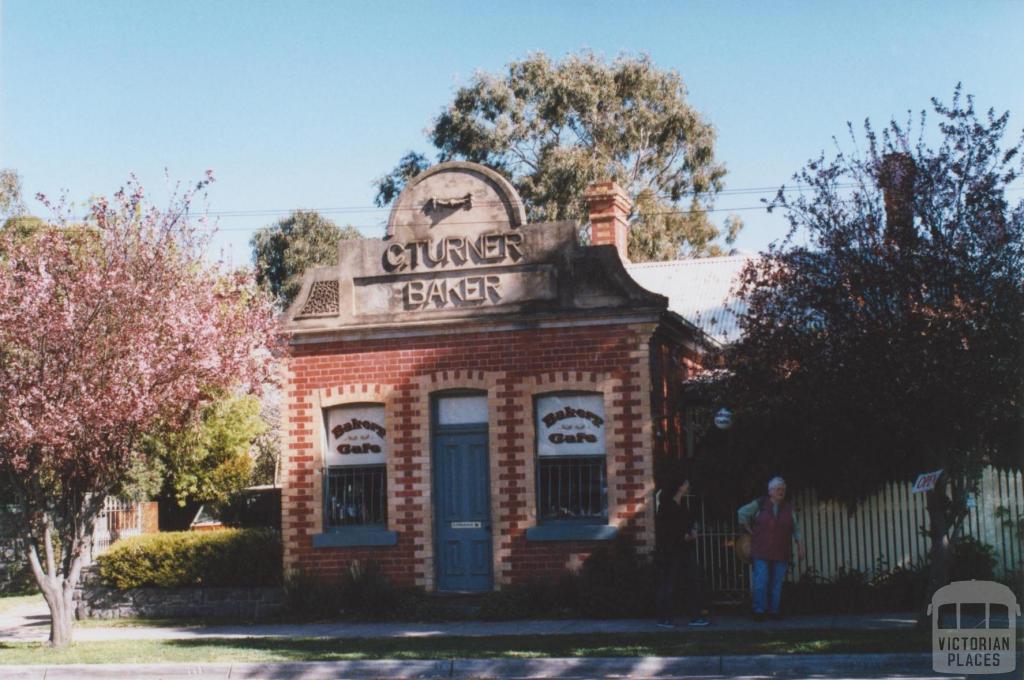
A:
675	554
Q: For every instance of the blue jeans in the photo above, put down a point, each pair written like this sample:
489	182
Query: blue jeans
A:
767	582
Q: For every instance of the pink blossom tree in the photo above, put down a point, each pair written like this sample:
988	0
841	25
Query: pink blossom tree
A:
109	327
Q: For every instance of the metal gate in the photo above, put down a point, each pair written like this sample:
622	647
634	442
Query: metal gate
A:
118	519
725	575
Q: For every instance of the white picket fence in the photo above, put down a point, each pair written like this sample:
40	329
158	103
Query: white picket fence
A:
888	529
884	531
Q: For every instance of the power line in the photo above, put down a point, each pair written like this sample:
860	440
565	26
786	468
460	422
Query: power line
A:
375	208
341	210
381	225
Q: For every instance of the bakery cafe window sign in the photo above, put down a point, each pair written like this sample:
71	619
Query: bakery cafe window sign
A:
570	425
356	435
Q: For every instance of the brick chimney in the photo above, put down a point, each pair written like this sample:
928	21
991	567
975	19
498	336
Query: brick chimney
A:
608	205
896	177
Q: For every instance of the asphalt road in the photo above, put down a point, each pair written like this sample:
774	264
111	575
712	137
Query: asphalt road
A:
846	666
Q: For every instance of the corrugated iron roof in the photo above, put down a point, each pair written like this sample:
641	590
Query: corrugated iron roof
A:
701	290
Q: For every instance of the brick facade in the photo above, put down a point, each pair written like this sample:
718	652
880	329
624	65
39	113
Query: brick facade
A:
463	296
512	367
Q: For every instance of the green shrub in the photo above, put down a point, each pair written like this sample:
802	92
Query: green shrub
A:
972	559
307	595
854	591
848	593
367	594
901	589
885	589
532	600
616	582
613	582
364	593
233	557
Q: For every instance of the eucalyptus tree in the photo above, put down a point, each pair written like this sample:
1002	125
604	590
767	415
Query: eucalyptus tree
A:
554	127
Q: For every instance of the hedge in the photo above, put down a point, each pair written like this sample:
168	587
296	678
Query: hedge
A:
174	559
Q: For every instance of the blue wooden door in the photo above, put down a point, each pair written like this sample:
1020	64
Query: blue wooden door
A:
462	509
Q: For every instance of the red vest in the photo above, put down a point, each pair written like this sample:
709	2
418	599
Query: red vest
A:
773	534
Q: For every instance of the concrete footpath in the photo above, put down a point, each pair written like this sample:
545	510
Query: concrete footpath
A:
31	623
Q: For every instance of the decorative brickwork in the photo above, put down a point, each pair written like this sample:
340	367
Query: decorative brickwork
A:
322	299
522	451
303	512
464	295
512	367
425	387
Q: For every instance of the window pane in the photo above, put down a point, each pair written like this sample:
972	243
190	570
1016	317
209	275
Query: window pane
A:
573	488
972	615
355	495
466	410
947	616
570	425
356	435
998	616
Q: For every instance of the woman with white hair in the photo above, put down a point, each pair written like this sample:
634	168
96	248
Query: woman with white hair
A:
772	522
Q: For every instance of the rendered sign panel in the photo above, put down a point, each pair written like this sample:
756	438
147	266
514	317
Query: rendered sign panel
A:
571	425
454	246
452	291
457	247
356	435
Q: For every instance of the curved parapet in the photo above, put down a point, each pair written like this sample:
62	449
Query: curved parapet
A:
447	198
458	249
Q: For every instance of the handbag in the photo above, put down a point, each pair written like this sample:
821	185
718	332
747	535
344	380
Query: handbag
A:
742	546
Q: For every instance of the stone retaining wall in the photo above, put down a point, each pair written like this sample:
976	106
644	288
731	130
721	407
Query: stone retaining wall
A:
15	574
93	600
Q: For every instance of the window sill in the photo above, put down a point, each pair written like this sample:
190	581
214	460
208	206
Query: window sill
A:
571	532
355	536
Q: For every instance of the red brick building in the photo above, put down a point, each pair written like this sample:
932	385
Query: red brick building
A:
474	400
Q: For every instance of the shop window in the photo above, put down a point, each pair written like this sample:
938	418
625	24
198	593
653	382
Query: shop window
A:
572	484
356	496
573	488
355	477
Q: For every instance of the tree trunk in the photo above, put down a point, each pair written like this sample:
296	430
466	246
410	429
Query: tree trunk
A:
61	613
59	596
940	549
59	589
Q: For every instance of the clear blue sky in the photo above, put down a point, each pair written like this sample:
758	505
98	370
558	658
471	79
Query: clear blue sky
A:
303	104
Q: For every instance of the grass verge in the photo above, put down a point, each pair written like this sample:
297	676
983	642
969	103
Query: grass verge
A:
688	643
